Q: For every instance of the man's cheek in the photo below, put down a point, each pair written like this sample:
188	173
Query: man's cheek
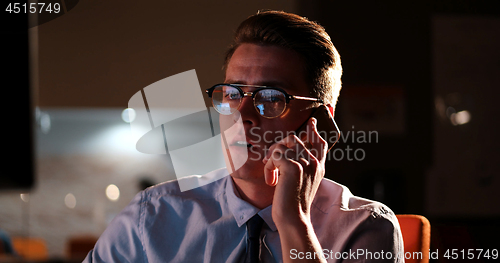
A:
255	155
271	137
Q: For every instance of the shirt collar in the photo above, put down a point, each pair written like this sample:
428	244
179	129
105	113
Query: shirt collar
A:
242	210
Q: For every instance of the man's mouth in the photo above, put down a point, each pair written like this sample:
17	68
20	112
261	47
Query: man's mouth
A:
242	144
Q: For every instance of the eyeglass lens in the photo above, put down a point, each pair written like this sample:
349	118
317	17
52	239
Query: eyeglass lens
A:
268	102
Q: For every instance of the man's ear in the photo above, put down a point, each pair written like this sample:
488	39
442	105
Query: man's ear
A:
330	108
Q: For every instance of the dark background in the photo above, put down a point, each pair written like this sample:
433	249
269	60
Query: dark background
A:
389	43
382	44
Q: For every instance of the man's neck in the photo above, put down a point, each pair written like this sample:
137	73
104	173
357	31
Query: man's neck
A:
258	194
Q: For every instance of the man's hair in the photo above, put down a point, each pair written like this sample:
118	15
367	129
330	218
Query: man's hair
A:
309	39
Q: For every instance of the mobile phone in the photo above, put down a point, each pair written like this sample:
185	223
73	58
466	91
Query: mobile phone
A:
327	128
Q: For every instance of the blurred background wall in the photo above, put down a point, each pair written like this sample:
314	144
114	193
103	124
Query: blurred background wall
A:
417	109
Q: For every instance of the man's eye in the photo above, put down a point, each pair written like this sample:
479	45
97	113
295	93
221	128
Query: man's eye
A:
232	96
270	96
275	99
271	99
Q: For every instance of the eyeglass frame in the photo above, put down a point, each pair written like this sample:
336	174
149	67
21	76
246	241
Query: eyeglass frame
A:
244	94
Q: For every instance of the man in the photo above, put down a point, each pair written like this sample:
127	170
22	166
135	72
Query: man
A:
300	216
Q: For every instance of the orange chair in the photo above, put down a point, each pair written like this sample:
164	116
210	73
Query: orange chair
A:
30	248
416	232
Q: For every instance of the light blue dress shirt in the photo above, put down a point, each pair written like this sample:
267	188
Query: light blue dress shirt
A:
207	224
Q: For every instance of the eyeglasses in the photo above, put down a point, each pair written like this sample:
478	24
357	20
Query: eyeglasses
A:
268	101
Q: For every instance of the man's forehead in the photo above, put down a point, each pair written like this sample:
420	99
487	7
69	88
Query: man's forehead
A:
272	66
267	83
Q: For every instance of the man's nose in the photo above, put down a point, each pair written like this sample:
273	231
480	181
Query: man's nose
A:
247	110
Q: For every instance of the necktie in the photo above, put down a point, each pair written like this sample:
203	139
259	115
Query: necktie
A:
254	226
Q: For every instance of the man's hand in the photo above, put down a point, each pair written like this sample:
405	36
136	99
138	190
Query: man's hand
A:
296	171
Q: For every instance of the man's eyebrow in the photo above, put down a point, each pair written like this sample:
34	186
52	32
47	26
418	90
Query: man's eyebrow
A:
231	81
269	83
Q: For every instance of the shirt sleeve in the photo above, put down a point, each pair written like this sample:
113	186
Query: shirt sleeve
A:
376	239
122	240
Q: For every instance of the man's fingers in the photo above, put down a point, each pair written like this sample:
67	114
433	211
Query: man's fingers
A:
290	155
271	177
296	149
282	160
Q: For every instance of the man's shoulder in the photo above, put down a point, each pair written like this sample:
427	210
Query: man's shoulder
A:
333	197
206	186
352	219
347	222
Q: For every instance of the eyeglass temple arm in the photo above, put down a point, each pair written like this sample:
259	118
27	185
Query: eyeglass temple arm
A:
305	98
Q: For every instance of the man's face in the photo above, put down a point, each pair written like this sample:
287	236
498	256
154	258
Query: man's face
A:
272	66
